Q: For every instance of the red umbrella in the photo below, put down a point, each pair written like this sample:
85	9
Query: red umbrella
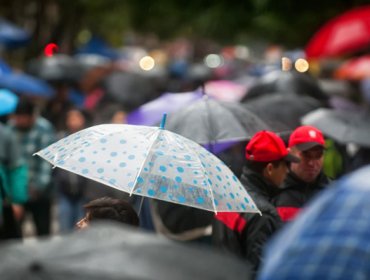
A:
354	69
343	34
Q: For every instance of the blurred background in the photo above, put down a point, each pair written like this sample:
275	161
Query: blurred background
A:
120	61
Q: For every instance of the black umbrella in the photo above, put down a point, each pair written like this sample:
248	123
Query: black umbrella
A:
210	121
57	68
282	111
109	251
130	89
342	126
286	82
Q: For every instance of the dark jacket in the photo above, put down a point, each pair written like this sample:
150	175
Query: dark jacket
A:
246	233
295	194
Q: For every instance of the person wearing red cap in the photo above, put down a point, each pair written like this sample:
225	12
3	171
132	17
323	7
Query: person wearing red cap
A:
305	178
266	168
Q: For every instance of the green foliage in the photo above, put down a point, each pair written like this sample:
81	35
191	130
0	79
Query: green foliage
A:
287	22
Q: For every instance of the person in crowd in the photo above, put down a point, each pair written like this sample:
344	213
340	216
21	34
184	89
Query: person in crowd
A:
34	133
306	177
13	185
245	234
56	108
106	208
70	187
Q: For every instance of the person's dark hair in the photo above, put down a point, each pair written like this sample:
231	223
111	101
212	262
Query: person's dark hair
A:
107	208
25	107
259	166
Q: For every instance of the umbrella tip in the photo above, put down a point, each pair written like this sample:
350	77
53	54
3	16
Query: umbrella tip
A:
163	122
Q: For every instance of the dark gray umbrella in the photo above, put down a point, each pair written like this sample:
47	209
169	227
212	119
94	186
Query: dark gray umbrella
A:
130	89
210	121
58	68
342	126
286	82
109	251
282	111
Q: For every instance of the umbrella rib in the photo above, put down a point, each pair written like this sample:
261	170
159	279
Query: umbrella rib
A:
143	164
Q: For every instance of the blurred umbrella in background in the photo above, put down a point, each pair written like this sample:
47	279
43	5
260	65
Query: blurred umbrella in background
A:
90	69
4	68
209	121
333	87
57	68
97	46
129	89
12	36
286	82
8	102
89	61
346	33
113	251
343	126
225	90
282	111
151	113
26	85
357	68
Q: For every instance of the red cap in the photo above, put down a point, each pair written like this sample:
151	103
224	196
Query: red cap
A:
306	137
266	146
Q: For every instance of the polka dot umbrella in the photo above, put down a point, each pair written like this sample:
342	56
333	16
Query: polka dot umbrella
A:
151	162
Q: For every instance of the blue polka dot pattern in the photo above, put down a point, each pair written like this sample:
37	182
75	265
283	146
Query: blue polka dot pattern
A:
163	189
151	162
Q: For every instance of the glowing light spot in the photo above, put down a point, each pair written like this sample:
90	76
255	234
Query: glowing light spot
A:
147	63
213	60
301	65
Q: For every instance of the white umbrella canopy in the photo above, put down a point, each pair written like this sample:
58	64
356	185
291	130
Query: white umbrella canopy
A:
151	162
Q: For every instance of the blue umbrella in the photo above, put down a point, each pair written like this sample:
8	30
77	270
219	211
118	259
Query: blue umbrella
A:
8	102
4	67
26	84
98	46
12	36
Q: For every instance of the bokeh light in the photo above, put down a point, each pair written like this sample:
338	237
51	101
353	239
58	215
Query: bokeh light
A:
213	60
301	65
147	63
